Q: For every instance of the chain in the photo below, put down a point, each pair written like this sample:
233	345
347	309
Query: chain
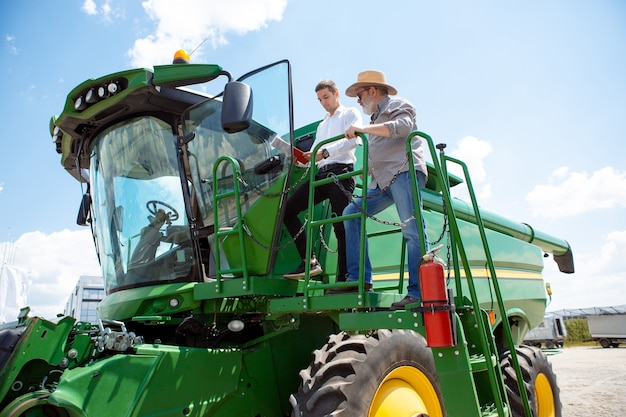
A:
388	186
328	249
445	227
302	229
370	216
285	192
445	231
448	250
321	229
272	248
449	262
290	242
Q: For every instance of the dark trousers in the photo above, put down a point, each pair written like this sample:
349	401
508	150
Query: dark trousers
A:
299	200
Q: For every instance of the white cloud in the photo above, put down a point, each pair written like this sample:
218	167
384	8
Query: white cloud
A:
473	152
106	10
599	277
1	186
89	7
570	193
54	262
10	42
185	24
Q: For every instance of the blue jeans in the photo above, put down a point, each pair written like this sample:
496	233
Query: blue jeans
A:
398	193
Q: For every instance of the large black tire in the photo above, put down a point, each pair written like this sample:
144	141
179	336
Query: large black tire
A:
539	382
390	372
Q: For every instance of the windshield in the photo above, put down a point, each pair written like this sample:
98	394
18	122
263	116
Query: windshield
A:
250	151
138	207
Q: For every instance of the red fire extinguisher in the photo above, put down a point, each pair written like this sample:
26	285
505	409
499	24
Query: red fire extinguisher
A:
436	306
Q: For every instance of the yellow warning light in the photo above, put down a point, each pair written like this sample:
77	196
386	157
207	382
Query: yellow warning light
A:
181	57
492	317
548	289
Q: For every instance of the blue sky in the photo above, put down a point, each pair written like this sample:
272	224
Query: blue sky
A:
531	94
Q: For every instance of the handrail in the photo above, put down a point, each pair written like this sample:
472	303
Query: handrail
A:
236	229
311	223
494	374
496	286
457	245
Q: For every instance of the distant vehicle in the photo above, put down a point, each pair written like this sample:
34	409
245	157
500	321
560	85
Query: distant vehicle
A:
550	333
609	329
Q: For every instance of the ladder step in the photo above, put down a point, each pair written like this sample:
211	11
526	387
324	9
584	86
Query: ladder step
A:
490	410
479	363
231	271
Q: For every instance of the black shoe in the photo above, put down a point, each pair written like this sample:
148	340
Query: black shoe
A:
344	290
298	273
401	305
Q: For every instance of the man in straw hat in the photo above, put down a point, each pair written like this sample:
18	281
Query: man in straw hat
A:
392	120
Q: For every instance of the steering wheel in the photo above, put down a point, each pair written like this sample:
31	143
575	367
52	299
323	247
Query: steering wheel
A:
153	207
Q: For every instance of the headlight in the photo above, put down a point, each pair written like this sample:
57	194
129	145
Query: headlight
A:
91	97
80	104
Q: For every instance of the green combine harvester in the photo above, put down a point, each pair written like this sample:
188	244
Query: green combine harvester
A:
185	195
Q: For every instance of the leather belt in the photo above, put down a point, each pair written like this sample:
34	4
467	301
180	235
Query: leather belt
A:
335	167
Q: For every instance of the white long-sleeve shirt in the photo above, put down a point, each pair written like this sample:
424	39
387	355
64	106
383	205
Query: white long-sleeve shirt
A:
341	151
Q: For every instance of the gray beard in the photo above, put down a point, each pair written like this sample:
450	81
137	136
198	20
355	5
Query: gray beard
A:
369	108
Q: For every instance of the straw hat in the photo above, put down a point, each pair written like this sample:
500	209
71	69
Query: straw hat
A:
370	78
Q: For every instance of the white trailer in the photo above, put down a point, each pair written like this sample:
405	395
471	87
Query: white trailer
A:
550	332
609	330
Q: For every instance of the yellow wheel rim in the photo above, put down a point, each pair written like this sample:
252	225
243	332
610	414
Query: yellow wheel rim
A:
545	397
405	392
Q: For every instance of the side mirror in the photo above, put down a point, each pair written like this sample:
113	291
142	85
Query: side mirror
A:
236	107
83	211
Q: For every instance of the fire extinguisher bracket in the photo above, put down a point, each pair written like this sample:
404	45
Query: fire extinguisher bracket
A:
434	308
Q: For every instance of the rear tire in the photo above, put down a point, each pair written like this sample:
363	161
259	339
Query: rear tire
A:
539	382
605	343
390	372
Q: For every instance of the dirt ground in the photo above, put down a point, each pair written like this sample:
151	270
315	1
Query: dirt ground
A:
592	381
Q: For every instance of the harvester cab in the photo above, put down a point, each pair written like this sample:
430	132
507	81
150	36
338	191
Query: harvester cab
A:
185	172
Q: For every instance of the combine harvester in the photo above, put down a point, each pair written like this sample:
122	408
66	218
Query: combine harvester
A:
184	196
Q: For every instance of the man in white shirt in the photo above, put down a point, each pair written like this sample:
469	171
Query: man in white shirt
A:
336	157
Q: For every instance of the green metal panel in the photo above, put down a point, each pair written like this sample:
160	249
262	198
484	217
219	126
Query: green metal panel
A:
160	380
455	378
42	342
236	287
354	322
261	221
147	301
